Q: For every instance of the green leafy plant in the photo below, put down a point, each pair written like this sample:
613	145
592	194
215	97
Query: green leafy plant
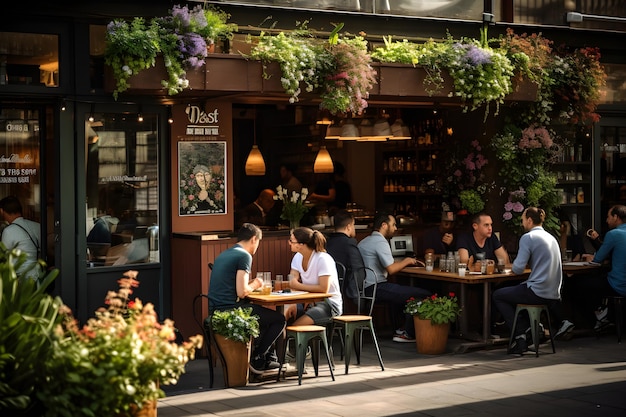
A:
180	37
116	362
238	324
439	310
293	206
28	317
130	47
526	179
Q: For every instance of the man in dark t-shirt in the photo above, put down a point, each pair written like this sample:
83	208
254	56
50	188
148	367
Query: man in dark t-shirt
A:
230	284
481	239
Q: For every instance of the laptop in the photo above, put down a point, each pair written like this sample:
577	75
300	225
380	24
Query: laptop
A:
401	246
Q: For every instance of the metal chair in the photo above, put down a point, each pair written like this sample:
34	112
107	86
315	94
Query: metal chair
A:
534	315
353	325
303	335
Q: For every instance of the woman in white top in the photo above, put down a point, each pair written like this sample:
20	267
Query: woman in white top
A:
313	270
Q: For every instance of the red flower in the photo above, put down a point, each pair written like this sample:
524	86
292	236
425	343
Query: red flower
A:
451	294
433	297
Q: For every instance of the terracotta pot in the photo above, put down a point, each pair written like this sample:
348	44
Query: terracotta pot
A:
430	339
237	357
149	409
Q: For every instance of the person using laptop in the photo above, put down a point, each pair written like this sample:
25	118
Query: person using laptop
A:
377	255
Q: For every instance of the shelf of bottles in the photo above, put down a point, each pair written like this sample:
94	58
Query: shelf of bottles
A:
574	179
411	183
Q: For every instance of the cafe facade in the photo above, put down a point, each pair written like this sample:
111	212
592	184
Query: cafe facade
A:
78	157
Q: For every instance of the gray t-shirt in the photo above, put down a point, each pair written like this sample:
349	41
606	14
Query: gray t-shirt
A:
376	254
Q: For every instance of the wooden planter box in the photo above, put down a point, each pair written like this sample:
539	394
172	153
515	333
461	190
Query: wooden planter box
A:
234	73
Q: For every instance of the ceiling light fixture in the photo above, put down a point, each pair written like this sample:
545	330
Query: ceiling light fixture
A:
255	165
323	162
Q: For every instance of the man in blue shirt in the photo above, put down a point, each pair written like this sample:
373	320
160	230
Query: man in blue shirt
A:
230	284
376	254
540	251
613	247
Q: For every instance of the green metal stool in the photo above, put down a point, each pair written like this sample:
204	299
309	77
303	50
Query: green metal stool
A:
353	325
302	336
534	315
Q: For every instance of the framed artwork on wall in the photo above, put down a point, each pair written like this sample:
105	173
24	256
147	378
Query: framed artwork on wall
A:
202	183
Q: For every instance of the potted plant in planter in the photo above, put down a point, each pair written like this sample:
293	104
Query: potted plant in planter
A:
233	330
115	364
432	317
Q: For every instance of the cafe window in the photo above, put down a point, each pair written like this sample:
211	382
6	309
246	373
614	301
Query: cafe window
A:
29	59
122	189
20	159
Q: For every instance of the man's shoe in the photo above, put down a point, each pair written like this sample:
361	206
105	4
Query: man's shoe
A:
269	364
403	338
519	346
566	328
257	365
601	313
602	325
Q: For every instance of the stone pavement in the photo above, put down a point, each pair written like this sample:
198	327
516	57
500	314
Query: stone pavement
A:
586	377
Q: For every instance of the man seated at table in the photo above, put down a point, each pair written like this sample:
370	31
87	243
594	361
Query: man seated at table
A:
376	254
539	250
614	283
480	240
440	239
260	211
342	246
231	283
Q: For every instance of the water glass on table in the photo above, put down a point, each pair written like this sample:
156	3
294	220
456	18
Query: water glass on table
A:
462	269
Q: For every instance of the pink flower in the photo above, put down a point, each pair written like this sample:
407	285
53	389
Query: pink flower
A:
508	206
518	207
191	197
507	215
458	173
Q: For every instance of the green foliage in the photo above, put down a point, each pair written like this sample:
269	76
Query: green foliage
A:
439	310
402	52
116	361
238	324
181	38
28	316
130	47
471	201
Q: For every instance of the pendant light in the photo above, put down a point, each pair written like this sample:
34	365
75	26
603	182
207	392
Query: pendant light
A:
323	162
255	165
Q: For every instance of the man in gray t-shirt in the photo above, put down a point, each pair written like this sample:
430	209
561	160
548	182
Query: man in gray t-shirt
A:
21	234
376	254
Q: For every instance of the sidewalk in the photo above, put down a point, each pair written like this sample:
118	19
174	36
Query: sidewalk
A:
586	377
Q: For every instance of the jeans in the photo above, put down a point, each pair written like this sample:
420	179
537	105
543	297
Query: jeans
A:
397	295
506	300
271	326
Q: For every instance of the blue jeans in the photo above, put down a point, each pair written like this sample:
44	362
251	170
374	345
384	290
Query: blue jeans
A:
506	300
397	295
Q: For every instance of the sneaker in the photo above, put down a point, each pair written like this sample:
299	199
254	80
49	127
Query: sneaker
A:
403	338
519	345
270	364
601	313
257	365
565	329
602	325
398	332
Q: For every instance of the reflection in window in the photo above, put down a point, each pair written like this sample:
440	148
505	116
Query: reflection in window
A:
122	190
29	59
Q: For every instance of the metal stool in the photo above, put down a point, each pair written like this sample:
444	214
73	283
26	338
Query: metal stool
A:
303	335
353	325
534	315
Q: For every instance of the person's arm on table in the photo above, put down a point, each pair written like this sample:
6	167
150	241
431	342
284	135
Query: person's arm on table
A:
245	286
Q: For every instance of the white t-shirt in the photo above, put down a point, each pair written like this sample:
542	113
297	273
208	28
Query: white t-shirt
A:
320	264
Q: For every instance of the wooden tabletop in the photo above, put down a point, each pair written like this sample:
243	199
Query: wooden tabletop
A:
420	272
579	267
287	298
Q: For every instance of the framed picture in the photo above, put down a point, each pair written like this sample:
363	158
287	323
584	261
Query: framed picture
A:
201	174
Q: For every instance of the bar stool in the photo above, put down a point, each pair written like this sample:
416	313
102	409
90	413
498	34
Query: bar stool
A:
302	336
534	315
353	327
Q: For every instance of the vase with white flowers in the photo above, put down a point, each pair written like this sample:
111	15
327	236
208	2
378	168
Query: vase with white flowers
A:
294	207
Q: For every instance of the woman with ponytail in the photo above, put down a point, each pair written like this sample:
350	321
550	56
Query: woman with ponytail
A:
313	270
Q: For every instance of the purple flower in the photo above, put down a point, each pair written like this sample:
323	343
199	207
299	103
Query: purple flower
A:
476	56
508	206
518	207
507	215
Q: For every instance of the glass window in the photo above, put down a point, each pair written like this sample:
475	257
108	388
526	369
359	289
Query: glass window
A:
20	160
121	189
29	59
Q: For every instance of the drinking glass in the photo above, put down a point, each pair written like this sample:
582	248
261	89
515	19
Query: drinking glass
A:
429	260
491	266
462	269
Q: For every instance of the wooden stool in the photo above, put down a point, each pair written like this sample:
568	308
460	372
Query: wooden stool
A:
534	315
302	336
351	324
